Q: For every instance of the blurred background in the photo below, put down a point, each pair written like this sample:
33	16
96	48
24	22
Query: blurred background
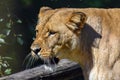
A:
18	19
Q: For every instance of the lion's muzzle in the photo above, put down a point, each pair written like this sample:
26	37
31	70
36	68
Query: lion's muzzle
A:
35	49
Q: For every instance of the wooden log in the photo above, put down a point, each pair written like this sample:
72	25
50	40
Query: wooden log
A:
64	70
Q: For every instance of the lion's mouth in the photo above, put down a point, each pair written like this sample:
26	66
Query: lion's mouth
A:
50	64
33	60
51	61
47	59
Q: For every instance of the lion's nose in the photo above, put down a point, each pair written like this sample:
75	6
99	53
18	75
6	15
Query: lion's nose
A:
35	48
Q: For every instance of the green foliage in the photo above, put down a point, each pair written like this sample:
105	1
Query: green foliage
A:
5	66
7	30
20	41
1	20
27	2
9	40
19	21
73	3
8	71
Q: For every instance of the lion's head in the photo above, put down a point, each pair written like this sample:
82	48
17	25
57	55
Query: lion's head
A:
57	33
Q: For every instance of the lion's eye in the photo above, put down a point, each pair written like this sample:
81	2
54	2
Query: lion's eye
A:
51	33
36	31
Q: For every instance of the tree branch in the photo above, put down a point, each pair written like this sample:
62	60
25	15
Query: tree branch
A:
64	70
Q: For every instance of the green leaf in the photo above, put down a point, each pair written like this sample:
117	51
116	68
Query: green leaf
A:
1	19
7	58
2	36
19	21
2	41
20	35
27	2
8	15
4	65
8	25
0	67
0	57
20	41
7	32
1	62
8	71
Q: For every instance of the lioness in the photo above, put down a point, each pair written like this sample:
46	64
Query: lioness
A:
88	36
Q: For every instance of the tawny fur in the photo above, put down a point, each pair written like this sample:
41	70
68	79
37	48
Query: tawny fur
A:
94	44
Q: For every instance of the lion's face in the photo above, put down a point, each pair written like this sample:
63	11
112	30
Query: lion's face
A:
57	33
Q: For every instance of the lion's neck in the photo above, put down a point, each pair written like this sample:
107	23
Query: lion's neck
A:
83	58
86	64
86	68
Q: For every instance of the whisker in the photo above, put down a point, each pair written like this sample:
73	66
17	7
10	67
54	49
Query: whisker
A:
55	65
27	57
27	66
32	61
44	61
37	57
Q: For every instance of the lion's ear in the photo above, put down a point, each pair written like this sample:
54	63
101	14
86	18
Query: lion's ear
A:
76	21
43	9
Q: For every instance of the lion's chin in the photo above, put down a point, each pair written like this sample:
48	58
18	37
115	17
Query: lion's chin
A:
50	63
50	60
48	68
